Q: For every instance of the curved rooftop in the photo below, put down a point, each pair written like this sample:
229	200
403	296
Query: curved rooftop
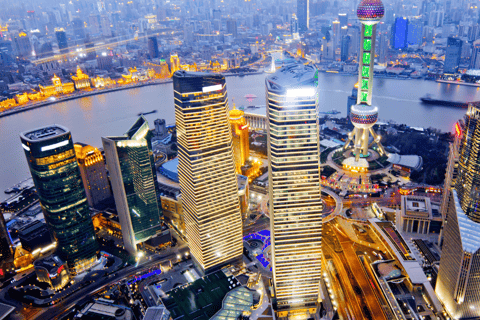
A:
411	161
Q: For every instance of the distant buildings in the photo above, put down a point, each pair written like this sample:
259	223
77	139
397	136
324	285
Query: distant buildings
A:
459	274
452	55
415	31
294	188
134	183
206	169
475	59
303	14
51	157
94	175
232	27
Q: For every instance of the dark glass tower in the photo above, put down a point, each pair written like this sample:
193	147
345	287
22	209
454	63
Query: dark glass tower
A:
134	183
303	14
51	158
62	40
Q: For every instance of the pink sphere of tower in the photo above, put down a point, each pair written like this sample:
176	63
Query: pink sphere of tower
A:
370	11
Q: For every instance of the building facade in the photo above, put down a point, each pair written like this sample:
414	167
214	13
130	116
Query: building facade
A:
53	165
6	250
61	36
94	175
241	147
134	183
294	188
303	14
206	169
452	55
53	271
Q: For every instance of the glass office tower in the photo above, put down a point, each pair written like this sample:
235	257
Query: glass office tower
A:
206	169
294	188
458	278
51	158
134	183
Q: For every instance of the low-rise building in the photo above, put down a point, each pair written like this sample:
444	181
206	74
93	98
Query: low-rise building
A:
419	215
53	271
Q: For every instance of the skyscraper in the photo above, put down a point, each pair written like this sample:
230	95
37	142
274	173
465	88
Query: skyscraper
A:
94	174
153	47
399	33
363	115
134	183
303	15
61	36
458	278
6	251
241	147
452	55
232	27
415	31
22	44
294	187
51	158
475	59
206	169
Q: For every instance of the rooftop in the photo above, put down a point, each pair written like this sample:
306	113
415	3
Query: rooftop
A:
201	299
5	310
292	76
411	161
44	133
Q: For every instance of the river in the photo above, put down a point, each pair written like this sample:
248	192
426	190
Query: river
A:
113	113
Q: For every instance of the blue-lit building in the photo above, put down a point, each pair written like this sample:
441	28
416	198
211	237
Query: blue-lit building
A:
169	169
399	33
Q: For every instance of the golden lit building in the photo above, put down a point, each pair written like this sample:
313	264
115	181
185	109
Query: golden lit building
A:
57	88
81	80
94	174
21	98
206	170
294	189
174	63
7	104
241	148
160	70
100	82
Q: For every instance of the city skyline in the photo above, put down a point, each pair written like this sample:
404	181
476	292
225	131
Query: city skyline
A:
200	164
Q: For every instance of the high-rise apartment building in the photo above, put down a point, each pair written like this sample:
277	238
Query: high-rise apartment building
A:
303	14
241	147
458	278
94	175
22	44
206	169
51	157
415	31
452	55
61	36
134	184
294	188
232	27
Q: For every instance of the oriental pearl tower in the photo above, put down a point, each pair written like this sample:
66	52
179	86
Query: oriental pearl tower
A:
363	114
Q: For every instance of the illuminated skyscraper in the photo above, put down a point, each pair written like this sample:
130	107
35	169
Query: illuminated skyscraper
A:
294	187
206	169
53	165
303	14
241	147
94	174
134	183
452	55
23	45
458	278
363	115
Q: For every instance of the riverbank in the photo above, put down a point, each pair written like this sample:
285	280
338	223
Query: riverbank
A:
83	94
461	83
